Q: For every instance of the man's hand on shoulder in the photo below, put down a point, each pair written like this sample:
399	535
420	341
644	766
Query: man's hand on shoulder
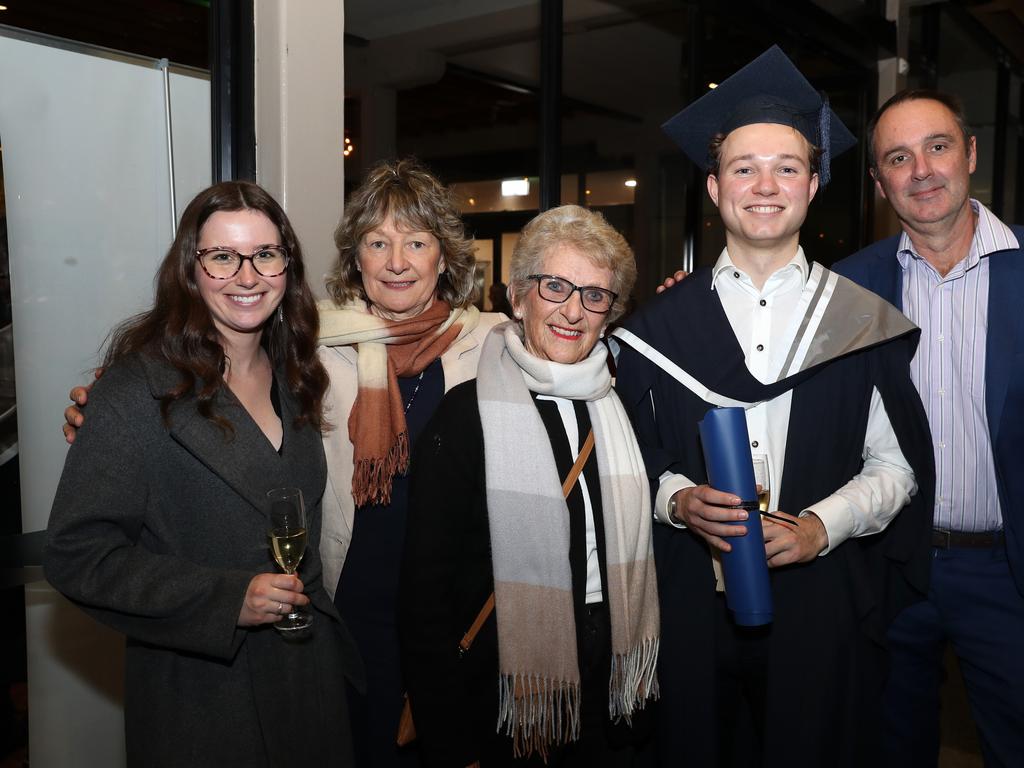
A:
678	277
73	416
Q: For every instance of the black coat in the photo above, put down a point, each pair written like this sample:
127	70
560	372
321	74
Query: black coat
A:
877	268
447	575
157	532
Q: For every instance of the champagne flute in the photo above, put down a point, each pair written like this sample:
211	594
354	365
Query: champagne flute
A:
288	544
762	476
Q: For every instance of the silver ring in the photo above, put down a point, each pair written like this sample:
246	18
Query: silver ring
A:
280	608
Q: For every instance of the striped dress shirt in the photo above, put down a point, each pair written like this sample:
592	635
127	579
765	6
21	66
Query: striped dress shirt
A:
949	372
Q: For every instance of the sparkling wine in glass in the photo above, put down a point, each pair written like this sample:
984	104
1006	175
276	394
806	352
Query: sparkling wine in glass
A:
288	544
762	476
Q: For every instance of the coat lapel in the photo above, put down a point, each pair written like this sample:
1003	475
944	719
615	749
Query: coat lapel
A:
890	283
1006	270
245	460
304	464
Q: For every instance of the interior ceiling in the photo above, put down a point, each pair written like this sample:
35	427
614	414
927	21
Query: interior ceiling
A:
621	58
177	29
172	29
375	19
1004	19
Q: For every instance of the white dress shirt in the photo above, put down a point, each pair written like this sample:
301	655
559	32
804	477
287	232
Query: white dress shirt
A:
761	321
572	431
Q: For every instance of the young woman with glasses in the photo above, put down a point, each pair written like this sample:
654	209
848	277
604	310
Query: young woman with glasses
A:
210	399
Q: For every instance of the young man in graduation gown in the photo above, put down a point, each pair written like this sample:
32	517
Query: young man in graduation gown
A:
822	367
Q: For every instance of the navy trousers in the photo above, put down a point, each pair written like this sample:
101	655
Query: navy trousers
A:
974	604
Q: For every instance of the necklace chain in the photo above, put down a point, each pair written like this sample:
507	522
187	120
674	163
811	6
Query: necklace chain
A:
411	399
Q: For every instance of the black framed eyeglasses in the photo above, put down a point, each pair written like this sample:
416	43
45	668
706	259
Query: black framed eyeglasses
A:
558	290
223	263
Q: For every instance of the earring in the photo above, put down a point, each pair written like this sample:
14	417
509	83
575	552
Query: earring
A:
518	314
280	313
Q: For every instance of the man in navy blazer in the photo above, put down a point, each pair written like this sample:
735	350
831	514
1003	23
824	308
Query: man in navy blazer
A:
957	272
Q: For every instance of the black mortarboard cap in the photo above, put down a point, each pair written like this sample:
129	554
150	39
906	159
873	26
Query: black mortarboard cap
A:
770	89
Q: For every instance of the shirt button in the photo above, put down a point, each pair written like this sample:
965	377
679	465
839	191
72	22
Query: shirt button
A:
753	444
763	302
942	444
736	275
940	337
760	347
941	392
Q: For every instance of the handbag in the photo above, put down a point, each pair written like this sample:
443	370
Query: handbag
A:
406	728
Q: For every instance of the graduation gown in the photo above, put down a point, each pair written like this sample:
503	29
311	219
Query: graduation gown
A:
826	660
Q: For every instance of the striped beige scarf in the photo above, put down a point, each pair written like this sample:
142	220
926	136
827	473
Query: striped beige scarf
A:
539	677
387	349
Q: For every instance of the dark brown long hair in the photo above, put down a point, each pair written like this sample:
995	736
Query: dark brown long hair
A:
179	328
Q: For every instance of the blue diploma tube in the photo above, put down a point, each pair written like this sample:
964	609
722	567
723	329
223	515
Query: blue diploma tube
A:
723	433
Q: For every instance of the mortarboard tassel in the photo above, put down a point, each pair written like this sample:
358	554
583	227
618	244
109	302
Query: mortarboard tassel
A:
825	137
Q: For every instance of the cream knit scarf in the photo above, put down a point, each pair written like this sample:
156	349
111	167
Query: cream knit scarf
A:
539	677
387	349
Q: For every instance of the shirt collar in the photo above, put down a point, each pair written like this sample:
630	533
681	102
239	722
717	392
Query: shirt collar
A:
990	236
724	266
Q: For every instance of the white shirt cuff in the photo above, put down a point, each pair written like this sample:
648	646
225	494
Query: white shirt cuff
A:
837	515
869	501
671	484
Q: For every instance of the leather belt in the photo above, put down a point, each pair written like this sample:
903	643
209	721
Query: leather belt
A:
962	539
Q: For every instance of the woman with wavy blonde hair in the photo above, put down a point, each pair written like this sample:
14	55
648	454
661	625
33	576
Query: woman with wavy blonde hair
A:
400	332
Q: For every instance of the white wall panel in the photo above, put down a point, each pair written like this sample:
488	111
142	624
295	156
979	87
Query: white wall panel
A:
88	214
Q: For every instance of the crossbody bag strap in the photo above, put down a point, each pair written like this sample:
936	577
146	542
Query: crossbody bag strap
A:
570	480
577	467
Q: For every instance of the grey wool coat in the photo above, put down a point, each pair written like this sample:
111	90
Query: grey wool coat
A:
156	531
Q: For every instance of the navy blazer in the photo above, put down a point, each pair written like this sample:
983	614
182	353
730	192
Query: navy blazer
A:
877	269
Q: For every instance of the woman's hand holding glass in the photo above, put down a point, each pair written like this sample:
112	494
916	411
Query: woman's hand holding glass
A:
288	537
276	598
269	597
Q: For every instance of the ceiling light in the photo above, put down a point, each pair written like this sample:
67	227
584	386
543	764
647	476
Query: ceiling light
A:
630	182
515	187
712	86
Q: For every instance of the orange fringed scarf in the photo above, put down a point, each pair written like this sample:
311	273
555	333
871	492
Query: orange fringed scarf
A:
376	425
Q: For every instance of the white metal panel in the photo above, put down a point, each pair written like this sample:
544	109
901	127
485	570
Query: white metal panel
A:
190	117
88	213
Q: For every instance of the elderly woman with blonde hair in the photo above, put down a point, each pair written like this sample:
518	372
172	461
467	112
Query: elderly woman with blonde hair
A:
529	485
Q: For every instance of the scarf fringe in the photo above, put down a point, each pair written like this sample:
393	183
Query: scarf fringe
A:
537	712
633	679
371	478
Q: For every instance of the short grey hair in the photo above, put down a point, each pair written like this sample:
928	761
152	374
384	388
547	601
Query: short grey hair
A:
585	230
